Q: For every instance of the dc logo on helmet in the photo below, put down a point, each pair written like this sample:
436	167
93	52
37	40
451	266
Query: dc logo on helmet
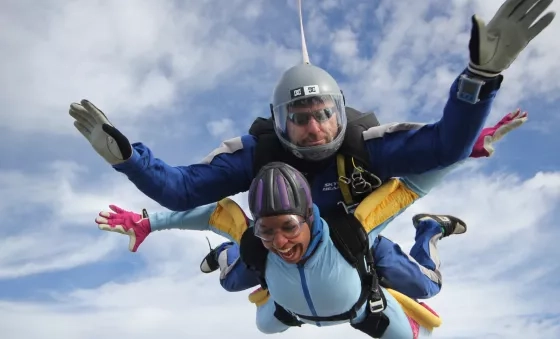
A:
305	90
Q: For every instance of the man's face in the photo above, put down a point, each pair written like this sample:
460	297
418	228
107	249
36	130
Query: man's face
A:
306	128
290	236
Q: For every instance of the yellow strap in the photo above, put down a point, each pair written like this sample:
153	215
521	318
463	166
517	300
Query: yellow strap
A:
259	296
388	200
344	188
413	309
228	217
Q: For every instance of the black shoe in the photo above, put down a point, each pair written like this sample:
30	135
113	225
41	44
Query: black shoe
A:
449	224
210	262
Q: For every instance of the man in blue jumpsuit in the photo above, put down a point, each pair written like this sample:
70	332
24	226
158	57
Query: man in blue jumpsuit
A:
308	109
416	275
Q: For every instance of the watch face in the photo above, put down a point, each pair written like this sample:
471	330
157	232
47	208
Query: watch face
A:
470	87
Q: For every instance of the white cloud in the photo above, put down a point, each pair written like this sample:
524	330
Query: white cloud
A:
43	251
223	129
345	44
415	60
171	296
127	57
60	237
132	58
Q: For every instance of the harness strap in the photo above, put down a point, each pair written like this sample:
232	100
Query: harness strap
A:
286	317
343	181
350	238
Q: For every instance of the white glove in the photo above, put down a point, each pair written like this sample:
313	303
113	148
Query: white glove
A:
107	141
495	46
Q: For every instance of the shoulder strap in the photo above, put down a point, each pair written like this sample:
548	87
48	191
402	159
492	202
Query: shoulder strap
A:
262	126
268	146
253	254
347	235
351	240
353	144
354	180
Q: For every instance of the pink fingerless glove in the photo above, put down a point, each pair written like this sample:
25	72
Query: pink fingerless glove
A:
136	226
484	144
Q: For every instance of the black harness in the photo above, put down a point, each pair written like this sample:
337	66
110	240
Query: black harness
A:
346	232
352	158
351	240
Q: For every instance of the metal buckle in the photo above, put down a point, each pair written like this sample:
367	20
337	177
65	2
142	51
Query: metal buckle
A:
361	185
345	180
348	208
369	266
376	306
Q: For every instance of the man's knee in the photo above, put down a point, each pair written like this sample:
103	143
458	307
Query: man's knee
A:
427	289
402	273
235	276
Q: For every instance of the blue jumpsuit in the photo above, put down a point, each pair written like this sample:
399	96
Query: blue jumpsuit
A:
395	150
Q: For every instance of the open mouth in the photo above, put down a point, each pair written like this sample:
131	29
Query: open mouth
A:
288	254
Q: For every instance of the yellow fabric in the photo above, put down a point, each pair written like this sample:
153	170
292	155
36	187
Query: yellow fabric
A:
383	203
413	309
344	189
229	218
259	296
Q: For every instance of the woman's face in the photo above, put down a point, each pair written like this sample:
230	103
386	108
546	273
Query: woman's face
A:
286	235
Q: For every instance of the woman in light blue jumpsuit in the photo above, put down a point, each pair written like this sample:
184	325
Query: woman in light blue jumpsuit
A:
312	278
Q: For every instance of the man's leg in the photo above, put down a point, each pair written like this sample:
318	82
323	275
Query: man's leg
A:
417	275
234	275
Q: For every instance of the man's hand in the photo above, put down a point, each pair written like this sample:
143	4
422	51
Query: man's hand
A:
107	141
136	226
484	146
495	46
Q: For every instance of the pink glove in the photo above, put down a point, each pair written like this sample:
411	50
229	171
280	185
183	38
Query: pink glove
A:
136	226
489	135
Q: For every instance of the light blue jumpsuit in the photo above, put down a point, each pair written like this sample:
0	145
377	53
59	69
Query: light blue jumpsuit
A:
326	284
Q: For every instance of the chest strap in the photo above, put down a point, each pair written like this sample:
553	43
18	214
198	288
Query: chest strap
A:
351	240
354	181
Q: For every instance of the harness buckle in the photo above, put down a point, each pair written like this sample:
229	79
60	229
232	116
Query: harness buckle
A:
348	208
376	306
344	180
369	266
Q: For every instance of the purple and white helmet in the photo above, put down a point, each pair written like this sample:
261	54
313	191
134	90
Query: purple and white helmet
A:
278	189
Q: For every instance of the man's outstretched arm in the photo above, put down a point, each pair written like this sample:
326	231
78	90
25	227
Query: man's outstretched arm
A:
224	172
378	209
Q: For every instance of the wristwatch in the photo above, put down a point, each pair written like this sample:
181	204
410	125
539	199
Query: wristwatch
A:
474	88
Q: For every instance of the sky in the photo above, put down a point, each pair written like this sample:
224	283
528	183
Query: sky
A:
181	76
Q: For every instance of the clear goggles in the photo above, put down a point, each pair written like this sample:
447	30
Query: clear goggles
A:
290	228
299	112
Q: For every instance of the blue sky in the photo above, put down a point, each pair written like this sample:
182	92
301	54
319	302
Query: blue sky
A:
183	76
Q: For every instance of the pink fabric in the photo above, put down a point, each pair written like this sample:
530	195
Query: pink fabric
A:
489	135
125	222
414	324
415	327
429	309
